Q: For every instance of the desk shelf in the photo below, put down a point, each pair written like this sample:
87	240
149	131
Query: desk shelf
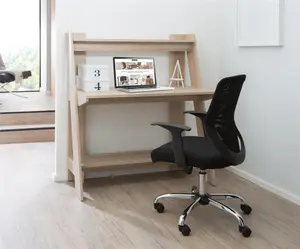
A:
179	47
117	160
82	44
115	96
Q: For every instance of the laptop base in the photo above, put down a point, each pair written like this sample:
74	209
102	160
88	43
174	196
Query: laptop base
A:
140	90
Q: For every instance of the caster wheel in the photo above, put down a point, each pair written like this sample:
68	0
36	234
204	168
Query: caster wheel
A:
246	209
159	207
245	231
185	230
195	190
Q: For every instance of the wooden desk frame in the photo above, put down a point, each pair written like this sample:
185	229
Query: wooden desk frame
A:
177	46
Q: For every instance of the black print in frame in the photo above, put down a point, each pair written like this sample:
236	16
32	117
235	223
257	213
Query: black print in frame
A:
98	86
97	73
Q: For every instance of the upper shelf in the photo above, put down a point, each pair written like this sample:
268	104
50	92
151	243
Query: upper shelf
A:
115	96
138	45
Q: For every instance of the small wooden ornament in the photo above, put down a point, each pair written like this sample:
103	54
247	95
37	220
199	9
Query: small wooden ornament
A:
177	75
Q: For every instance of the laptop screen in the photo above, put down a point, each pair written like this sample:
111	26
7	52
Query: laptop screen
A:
134	72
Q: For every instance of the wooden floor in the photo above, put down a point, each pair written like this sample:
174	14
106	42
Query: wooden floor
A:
36	213
34	101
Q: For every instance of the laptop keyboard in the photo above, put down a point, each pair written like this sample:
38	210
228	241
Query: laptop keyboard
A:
156	89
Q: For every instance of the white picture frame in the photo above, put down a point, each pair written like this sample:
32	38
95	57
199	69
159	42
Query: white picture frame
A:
260	23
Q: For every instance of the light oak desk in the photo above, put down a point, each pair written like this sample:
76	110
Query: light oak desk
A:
131	159
178	47
115	96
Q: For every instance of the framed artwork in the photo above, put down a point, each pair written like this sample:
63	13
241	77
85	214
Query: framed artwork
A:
260	23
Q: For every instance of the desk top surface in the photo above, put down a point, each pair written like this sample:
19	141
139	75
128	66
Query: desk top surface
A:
187	91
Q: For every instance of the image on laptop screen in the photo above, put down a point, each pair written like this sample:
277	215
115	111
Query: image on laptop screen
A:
134	72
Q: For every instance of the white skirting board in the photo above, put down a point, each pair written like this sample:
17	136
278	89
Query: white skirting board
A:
268	186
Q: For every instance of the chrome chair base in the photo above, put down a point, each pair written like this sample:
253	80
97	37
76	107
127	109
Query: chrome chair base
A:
199	196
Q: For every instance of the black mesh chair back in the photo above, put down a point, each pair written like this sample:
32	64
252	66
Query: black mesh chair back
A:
222	146
220	125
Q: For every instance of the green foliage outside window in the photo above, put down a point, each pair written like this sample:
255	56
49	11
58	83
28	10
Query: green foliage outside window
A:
24	59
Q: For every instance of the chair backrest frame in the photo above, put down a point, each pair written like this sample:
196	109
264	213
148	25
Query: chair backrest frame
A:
220	125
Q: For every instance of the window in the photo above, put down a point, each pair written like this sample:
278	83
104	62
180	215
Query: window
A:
20	40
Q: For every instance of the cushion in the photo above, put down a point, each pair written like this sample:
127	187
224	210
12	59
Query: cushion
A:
200	152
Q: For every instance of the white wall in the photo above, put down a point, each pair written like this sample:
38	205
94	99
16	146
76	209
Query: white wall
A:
268	114
128	19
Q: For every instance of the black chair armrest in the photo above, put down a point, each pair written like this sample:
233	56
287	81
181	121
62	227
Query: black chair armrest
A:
173	127
201	115
176	130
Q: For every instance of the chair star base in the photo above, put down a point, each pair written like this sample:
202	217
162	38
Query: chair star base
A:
200	196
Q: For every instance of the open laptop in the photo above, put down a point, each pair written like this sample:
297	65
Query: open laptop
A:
136	74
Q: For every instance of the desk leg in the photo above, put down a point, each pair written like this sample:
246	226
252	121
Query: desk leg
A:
81	117
176	109
70	148
211	177
76	150
199	106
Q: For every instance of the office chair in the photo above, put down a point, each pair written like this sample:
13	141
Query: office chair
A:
7	76
222	146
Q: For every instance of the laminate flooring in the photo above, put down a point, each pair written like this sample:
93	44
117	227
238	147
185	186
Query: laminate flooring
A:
30	101
37	213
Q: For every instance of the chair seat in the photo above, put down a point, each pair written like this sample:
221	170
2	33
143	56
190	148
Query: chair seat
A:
199	152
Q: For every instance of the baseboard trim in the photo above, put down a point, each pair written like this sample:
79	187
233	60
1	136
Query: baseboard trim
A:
266	185
59	178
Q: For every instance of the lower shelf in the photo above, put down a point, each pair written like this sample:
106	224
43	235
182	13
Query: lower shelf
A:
117	160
